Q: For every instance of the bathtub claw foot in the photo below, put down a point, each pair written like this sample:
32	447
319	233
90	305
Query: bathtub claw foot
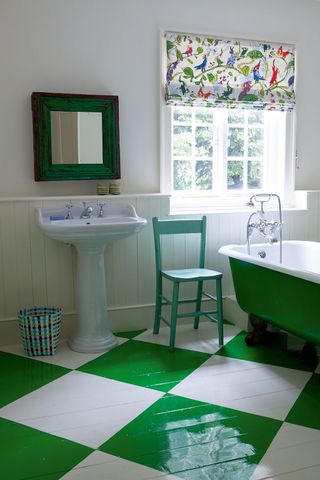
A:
258	333
252	339
310	354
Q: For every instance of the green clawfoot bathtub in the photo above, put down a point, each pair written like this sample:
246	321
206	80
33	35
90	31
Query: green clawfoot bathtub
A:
286	295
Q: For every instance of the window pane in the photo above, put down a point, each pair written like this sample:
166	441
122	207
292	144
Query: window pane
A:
204	115
182	175
203	175
236	142
255	142
255	174
182	114
235	174
182	141
204	138
235	116
256	116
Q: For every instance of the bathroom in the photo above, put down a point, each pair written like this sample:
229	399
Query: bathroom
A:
107	47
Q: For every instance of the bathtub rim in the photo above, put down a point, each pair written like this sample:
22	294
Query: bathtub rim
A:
229	251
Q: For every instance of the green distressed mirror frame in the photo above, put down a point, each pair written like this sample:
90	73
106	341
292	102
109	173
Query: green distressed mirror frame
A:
44	167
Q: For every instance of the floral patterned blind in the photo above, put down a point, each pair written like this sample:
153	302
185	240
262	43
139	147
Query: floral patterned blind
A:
206	71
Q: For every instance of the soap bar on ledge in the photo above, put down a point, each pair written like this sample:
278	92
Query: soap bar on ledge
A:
57	217
102	189
114	189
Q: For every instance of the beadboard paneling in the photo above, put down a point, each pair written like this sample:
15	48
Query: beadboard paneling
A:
36	270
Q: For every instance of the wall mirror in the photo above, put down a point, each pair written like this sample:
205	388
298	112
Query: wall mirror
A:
75	137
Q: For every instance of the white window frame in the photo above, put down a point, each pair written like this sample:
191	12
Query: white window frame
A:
282	183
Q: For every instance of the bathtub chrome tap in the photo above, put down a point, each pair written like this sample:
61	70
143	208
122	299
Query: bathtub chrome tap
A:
267	228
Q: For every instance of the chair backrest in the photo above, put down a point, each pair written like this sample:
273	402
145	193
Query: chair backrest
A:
175	227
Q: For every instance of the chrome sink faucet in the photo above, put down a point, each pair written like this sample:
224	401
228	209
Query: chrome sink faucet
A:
87	211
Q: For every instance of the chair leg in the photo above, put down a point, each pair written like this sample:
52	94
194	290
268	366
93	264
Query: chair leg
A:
157	314
198	304
220	311
174	311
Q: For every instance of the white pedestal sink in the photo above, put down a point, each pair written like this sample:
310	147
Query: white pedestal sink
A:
90	237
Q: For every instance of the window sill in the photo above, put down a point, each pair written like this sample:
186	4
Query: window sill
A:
211	205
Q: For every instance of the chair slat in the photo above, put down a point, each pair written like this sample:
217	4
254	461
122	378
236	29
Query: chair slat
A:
170	227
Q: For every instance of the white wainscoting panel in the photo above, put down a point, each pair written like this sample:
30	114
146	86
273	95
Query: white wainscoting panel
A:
35	270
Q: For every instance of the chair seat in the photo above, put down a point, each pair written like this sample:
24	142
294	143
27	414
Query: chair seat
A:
191	274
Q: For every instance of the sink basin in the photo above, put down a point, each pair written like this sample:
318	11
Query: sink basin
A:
90	237
119	221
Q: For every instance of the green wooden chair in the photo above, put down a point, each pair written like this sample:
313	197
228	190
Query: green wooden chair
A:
198	274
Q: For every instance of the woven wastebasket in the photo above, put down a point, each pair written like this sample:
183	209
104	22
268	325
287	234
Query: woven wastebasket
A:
40	329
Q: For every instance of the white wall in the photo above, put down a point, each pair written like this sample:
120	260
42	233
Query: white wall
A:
112	47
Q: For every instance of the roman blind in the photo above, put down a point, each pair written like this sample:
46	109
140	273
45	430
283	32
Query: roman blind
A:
207	71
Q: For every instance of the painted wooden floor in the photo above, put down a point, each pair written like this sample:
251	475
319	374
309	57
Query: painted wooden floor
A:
140	412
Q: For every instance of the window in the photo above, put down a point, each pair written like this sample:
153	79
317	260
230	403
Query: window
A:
227	153
244	146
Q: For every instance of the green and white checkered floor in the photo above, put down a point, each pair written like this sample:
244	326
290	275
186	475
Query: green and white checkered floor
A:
141	412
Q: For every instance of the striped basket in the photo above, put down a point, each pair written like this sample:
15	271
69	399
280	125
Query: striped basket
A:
40	329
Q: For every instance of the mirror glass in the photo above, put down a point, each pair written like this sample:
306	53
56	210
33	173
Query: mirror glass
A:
75	136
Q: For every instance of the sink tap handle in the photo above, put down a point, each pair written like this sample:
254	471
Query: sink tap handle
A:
69	213
101	212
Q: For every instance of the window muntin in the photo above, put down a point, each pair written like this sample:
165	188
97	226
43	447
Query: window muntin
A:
246	147
194	149
225	153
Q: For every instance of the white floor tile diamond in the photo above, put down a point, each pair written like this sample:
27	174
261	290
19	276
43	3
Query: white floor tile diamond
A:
100	465
64	356
243	385
293	454
81	407
312	473
204	339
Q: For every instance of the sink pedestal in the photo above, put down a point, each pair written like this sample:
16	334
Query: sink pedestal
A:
92	333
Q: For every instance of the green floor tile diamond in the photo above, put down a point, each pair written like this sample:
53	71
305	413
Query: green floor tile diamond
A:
146	364
194	440
27	453
130	334
20	375
306	410
271	353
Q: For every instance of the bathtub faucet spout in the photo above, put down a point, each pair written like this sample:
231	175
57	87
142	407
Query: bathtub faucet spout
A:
267	229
